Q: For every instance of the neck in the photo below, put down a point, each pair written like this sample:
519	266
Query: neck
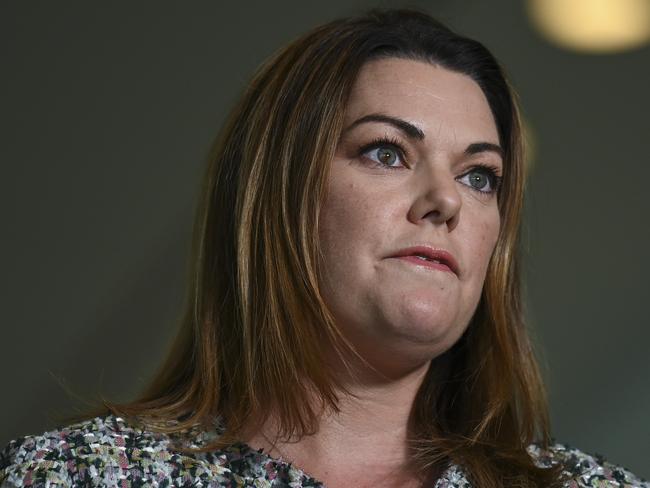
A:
367	435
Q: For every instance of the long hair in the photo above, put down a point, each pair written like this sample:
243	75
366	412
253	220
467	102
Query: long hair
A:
254	322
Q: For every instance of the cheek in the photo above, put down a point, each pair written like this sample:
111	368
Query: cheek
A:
480	236
354	215
488	234
340	221
480	244
345	225
355	232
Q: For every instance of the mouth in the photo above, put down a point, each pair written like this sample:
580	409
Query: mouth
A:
429	257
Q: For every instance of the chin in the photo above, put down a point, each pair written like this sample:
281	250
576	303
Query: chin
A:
398	350
429	342
400	358
427	321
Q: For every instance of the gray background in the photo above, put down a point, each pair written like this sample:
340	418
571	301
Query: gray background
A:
107	112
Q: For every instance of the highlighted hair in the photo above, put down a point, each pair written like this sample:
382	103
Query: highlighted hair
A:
252	332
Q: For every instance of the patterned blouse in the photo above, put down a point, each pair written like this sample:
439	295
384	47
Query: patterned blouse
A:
105	451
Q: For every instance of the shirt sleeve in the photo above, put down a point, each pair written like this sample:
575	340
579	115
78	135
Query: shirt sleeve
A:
105	451
586	470
28	461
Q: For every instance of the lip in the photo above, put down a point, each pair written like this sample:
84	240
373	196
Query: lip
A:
446	261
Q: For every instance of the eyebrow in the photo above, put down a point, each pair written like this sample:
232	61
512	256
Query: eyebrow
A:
414	132
478	147
406	127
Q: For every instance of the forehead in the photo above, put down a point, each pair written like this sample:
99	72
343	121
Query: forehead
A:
437	100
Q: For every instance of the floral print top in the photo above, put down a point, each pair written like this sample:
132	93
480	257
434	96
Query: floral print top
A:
106	451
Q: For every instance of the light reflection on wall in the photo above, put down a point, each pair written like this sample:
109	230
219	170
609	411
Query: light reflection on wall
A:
596	26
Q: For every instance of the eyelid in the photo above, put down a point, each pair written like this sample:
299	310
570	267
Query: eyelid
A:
386	141
493	171
488	167
493	176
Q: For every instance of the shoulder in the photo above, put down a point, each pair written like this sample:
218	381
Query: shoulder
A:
105	451
585	470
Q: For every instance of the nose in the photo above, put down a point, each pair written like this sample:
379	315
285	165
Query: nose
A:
438	198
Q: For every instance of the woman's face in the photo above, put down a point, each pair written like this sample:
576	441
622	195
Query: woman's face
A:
430	182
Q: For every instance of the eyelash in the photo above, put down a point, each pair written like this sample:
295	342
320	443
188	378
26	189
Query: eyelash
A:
384	141
491	171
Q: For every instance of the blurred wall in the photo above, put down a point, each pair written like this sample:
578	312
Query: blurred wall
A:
107	112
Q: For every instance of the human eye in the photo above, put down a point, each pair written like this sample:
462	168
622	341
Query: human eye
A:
481	178
384	152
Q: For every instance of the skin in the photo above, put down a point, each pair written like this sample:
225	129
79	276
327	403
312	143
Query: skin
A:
401	315
398	315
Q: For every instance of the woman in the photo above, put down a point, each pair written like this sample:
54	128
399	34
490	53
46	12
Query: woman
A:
355	314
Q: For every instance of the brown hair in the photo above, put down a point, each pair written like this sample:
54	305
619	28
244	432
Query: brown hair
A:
254	317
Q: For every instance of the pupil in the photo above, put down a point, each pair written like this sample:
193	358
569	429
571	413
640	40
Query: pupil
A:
478	180
386	156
